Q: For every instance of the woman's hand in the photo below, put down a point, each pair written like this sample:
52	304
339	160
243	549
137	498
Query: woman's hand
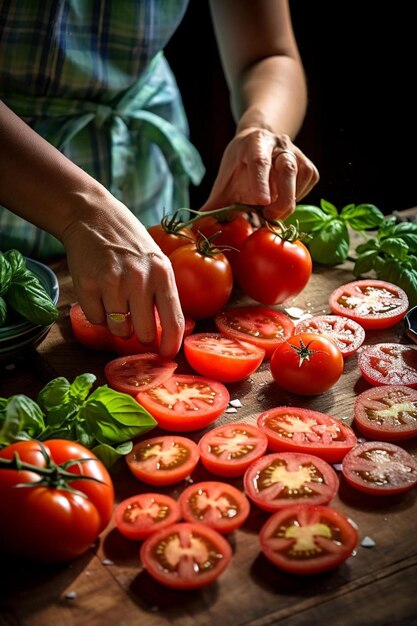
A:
261	168
117	267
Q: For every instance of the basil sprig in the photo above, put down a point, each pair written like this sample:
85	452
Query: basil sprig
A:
105	420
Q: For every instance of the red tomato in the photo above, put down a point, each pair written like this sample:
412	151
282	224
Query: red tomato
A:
380	468
306	539
185	402
282	478
228	450
222	358
262	326
204	279
387	413
133	346
307	364
389	364
232	231
219	505
140	516
186	555
49	522
168	240
163	460
293	429
371	303
271	269
347	334
138	372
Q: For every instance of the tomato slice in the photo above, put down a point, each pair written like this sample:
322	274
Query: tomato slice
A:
295	429
262	326
185	402
380	468
141	515
371	303
163	460
223	358
219	505
229	449
387	413
389	364
282	478
347	334
307	539
186	555
138	372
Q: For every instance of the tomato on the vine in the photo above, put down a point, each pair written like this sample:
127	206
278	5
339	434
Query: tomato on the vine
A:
272	269
307	364
204	278
169	240
57	519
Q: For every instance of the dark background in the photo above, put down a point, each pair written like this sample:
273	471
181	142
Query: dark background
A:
360	129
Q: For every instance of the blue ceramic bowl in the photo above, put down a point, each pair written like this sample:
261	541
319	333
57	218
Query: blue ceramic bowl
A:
16	339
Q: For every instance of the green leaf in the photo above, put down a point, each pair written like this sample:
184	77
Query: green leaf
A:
109	455
61	401
3	311
307	218
394	271
5	274
328	208
17	263
21	418
371	244
27	296
386	227
362	216
331	244
82	385
394	247
365	262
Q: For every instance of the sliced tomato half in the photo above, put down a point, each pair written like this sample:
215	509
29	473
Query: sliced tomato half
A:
295	429
389	364
263	326
307	539
387	412
139	516
138	372
347	334
185	402
380	468
375	304
283	478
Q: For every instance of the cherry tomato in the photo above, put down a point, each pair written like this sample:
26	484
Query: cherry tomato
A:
387	413
222	358
219	505
294	429
204	279
389	364
263	326
229	449
139	516
163	460
282	478
185	402
168	240
347	334
53	523
271	269
372	303
380	468
307	364
307	539
186	555
232	231
138	372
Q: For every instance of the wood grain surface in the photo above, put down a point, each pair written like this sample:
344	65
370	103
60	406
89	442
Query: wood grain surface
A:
109	587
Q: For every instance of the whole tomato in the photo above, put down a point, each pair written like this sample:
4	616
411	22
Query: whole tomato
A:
55	519
307	364
270	268
169	238
204	278
232	231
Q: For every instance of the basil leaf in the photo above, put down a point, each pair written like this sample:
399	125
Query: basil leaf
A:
394	247
331	244
400	274
3	311
27	296
328	208
371	244
308	218
81	386
17	263
21	418
5	274
109	455
365	262
386	228
362	216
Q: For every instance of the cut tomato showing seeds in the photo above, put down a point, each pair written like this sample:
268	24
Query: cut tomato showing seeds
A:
380	468
307	539
389	364
347	334
138	372
219	505
387	412
285	478
140	516
293	429
186	555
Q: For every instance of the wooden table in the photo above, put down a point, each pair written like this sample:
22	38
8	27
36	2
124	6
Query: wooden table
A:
108	587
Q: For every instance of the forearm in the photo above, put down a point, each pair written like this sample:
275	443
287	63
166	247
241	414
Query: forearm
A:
39	183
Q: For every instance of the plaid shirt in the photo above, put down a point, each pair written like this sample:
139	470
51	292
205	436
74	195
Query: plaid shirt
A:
90	77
